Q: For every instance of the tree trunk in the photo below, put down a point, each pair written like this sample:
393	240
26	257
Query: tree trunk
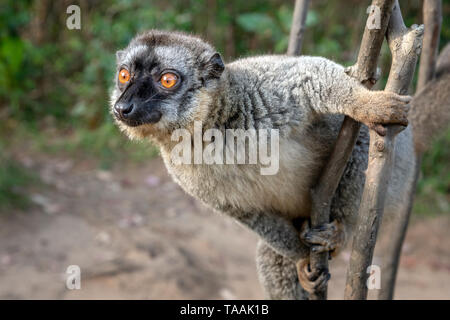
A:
432	18
405	45
365	70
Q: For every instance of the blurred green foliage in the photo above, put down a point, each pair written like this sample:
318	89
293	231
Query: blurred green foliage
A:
433	190
54	82
13	179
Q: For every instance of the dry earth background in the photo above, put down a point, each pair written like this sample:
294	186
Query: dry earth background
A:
136	235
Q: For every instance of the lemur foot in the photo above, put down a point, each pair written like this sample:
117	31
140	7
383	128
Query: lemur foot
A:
327	237
377	108
311	280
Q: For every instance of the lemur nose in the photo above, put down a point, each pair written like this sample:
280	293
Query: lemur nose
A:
124	109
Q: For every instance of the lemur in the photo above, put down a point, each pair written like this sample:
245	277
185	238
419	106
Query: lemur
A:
168	80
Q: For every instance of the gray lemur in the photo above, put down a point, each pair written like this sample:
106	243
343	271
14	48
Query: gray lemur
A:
168	80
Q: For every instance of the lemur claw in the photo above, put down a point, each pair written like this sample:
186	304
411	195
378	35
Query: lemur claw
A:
311	280
327	237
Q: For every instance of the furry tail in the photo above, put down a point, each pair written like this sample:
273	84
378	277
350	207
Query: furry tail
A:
430	109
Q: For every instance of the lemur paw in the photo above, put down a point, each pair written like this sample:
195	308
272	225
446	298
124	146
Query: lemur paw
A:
377	108
327	237
311	280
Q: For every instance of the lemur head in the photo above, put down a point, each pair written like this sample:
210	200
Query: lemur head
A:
163	82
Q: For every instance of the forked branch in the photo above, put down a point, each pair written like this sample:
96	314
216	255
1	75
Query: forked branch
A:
405	45
432	18
365	70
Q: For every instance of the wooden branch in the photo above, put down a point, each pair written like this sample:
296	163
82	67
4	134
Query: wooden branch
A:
397	233
298	27
365	70
405	45
432	18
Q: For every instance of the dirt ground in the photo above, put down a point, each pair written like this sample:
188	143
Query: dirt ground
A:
136	235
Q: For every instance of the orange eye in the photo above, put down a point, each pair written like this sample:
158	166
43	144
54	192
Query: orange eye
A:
124	76
168	80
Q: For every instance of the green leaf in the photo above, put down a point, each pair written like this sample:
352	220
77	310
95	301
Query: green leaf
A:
256	22
312	18
12	52
284	15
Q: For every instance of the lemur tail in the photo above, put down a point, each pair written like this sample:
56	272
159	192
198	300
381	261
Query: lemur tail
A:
430	109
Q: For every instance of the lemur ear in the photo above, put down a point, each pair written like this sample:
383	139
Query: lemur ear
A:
119	55
214	66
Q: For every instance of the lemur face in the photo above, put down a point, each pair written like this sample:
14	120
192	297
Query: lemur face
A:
160	79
